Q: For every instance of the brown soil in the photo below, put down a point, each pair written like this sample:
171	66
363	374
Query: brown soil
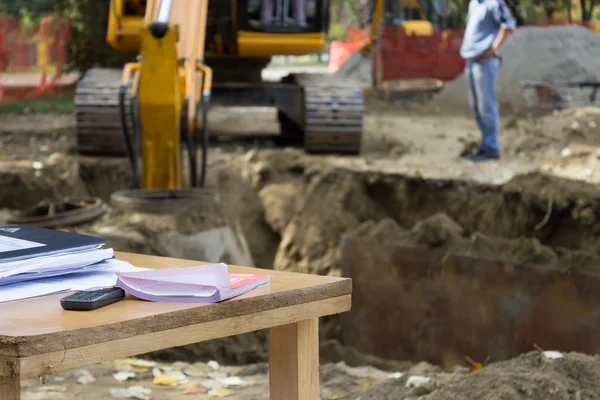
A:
530	376
532	218
409	185
440	232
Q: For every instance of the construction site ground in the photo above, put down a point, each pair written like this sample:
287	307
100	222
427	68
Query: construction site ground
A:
538	204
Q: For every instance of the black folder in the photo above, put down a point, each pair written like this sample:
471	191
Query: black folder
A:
19	242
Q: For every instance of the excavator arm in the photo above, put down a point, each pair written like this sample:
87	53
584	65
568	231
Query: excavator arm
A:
376	21
160	95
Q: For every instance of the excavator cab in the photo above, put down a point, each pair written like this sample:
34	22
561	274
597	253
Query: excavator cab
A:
284	16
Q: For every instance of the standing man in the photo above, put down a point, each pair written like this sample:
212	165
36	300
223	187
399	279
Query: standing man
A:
489	23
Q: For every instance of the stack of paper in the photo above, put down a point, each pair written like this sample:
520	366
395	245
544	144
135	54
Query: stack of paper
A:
36	261
48	266
102	276
204	284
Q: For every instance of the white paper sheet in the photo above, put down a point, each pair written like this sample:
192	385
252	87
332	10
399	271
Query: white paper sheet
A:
76	281
11	244
215	275
159	288
66	261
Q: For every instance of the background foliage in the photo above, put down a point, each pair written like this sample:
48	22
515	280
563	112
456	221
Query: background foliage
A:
88	47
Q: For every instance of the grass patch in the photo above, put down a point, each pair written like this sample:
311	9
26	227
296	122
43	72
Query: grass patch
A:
55	104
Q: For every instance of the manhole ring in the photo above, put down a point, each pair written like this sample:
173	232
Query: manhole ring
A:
161	201
58	213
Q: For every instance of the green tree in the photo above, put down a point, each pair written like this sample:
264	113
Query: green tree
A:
587	9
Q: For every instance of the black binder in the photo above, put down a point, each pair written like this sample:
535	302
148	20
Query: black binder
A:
19	242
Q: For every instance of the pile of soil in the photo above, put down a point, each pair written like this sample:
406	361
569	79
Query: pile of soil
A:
34	160
28	182
548	136
34	136
530	376
440	232
334	203
555	55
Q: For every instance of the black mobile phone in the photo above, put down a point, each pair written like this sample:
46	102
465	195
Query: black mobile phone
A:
87	300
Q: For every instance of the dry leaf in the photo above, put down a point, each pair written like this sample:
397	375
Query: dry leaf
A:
476	367
416	381
195	389
211	384
143	363
84	377
232	381
165	380
132	392
220	392
202	367
124	361
123	376
368	384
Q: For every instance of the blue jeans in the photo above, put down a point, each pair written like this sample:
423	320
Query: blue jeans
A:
481	76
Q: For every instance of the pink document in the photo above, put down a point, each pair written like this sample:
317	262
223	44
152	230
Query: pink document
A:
203	284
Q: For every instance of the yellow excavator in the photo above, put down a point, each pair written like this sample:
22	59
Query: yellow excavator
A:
190	51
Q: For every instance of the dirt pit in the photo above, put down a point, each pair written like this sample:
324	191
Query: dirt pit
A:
532	376
293	210
409	186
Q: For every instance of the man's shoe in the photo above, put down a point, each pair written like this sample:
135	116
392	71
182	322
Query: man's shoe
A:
483	155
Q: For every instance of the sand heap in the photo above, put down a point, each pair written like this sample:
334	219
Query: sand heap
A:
529	376
543	54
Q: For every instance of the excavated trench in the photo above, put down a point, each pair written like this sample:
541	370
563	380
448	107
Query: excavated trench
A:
292	210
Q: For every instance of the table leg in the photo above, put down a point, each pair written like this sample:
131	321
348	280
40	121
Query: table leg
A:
10	388
294	361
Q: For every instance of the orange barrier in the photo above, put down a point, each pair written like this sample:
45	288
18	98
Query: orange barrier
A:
340	51
357	35
32	58
408	56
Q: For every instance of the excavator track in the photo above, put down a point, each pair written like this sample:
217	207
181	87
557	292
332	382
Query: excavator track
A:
332	114
97	113
333	119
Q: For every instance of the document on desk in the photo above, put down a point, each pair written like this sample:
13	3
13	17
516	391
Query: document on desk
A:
102	276
203	284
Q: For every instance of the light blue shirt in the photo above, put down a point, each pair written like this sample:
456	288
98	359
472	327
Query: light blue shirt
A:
485	18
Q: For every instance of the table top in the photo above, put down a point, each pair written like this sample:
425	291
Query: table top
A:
39	325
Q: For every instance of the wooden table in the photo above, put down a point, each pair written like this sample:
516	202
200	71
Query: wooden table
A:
37	337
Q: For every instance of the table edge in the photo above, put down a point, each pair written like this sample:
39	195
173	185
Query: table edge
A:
29	345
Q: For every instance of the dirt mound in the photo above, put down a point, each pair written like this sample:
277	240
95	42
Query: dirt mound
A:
554	55
28	182
334	203
534	218
280	201
34	136
552	133
531	376
440	232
